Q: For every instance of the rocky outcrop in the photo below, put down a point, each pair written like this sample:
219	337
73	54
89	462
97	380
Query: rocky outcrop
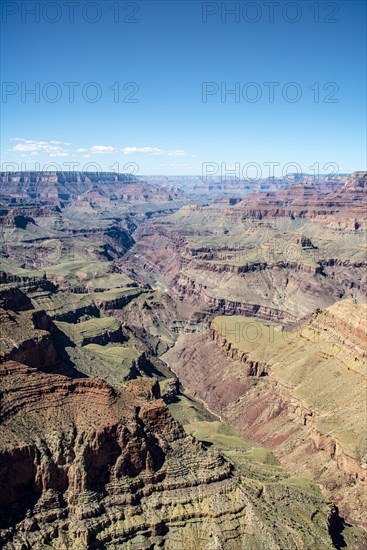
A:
93	467
90	464
25	337
25	283
274	255
97	188
117	300
87	465
252	368
100	330
300	393
305	201
274	295
11	297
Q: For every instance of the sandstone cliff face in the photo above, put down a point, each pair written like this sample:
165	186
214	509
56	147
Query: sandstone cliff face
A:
302	394
25	337
343	207
108	302
87	466
100	188
11	297
274	255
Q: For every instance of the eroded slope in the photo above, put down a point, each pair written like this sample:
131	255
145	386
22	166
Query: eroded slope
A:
301	393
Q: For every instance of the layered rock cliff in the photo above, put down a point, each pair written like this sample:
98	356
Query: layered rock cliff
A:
274	255
84	465
301	393
94	290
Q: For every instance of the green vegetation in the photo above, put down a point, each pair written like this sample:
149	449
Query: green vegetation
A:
78	269
91	330
110	281
304	358
205	426
115	363
115	354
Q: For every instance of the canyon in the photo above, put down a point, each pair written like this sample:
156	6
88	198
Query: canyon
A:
182	363
301	393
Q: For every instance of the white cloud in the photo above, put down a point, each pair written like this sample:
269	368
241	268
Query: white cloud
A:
109	149
154	151
35	147
145	150
102	149
98	149
55	148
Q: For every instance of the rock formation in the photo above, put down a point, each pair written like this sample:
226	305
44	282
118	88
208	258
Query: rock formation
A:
276	255
301	393
128	310
84	465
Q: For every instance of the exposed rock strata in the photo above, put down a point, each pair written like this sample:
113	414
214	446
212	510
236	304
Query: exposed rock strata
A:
303	394
86	466
274	255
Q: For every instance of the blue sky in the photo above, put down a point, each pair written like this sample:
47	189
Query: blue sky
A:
167	51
